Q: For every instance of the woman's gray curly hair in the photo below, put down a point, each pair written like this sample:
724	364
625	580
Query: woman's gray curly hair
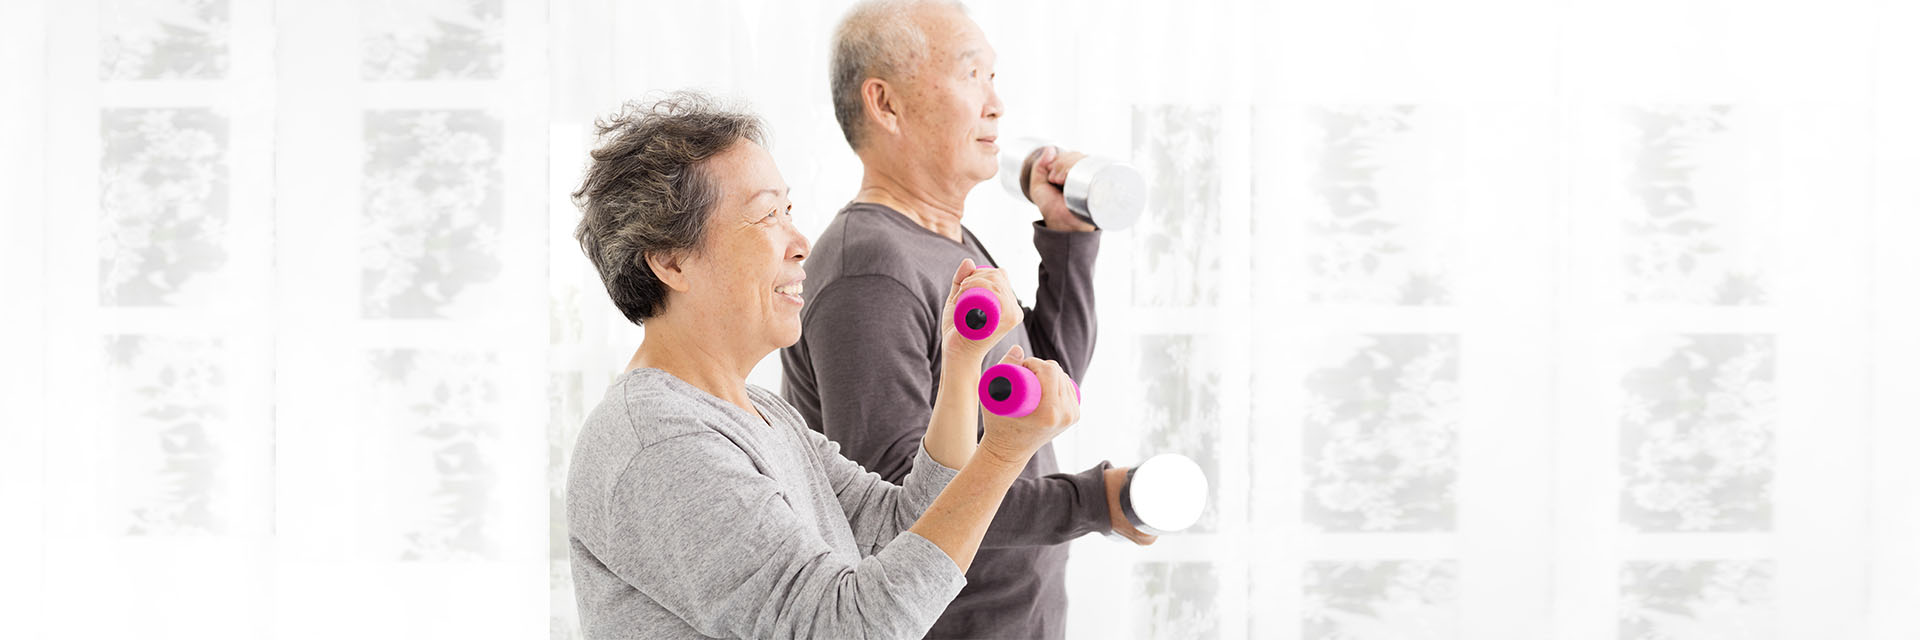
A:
647	190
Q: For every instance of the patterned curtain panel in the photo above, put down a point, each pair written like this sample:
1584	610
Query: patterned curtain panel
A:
1486	319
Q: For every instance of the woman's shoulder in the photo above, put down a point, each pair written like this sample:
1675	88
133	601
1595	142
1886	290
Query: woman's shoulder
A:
649	406
775	407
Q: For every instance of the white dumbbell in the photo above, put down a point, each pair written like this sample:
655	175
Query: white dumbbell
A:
1108	193
1165	494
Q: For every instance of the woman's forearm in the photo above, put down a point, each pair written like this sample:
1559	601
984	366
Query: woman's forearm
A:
951	431
958	519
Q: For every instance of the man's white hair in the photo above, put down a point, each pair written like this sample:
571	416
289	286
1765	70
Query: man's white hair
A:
876	39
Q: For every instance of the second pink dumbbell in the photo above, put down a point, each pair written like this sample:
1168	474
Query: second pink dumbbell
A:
1013	391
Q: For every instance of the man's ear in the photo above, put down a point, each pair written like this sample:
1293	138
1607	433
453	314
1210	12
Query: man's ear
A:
881	103
668	267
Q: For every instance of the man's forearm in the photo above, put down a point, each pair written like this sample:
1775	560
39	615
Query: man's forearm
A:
951	430
1062	325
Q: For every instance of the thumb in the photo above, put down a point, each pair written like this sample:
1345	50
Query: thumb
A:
966	269
1014	356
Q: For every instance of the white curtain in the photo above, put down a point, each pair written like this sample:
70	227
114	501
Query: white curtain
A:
1488	319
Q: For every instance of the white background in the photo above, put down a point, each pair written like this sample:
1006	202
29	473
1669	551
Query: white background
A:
296	335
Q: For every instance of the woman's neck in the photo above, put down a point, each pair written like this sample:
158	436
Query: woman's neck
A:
690	359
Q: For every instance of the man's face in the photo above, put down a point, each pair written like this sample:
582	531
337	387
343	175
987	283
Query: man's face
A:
951	113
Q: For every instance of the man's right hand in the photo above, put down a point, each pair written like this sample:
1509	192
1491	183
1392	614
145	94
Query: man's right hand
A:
1116	478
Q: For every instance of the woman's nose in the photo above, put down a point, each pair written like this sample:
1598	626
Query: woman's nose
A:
798	248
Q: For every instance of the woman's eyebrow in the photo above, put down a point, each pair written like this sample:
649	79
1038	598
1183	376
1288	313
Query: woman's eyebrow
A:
766	192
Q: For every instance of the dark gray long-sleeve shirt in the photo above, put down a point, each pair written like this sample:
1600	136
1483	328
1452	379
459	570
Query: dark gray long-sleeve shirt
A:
867	367
689	517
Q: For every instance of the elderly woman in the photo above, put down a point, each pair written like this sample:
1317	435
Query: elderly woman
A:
699	505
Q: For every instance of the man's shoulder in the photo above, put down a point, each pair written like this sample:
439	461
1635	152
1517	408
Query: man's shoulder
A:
871	239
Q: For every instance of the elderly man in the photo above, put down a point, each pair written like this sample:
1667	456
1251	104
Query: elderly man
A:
913	90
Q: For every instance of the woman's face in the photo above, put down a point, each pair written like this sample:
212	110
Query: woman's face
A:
745	279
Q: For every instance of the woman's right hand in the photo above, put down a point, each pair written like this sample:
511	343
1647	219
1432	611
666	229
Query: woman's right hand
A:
1016	439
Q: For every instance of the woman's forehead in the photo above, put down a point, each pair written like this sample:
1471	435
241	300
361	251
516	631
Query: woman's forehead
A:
748	175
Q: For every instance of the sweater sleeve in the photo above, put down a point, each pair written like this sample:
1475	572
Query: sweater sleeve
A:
872	347
878	510
1061	322
694	526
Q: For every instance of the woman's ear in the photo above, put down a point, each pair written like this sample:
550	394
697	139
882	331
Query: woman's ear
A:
881	104
667	266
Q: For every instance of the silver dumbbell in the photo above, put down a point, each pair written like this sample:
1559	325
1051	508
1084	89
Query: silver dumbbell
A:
1108	193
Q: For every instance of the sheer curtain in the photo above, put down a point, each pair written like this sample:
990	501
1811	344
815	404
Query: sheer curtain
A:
1488	319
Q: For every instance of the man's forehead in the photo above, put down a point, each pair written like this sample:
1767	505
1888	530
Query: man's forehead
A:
949	29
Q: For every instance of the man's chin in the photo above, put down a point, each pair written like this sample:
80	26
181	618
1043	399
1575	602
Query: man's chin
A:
983	174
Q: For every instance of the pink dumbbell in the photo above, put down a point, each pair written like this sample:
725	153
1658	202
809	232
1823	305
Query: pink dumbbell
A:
1013	391
976	314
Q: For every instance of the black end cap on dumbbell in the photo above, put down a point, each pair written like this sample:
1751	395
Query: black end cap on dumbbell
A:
999	388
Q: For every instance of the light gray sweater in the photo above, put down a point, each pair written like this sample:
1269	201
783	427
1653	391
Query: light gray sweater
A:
690	517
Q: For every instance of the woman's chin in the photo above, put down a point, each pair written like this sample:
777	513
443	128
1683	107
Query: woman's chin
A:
789	334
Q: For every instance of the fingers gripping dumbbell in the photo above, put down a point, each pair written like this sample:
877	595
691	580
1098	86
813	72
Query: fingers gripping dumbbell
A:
1106	192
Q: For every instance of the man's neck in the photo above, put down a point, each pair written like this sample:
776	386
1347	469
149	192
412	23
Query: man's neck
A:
672	349
938	210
